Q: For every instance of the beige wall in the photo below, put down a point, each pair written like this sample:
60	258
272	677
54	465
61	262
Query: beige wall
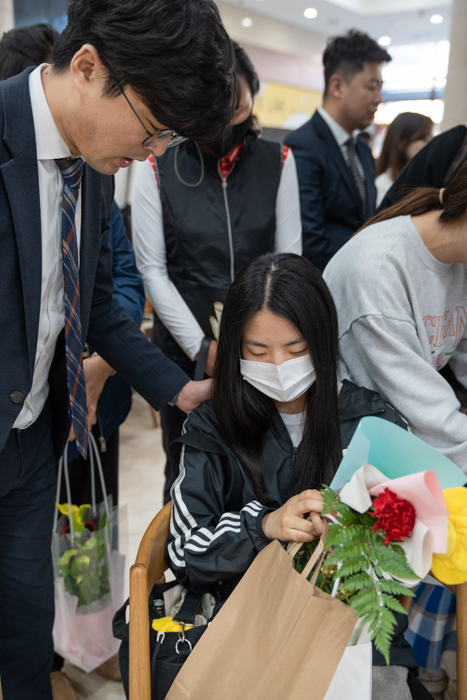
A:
455	96
6	16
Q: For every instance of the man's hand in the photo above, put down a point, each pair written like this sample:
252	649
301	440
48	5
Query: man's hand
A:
96	372
193	394
211	358
289	524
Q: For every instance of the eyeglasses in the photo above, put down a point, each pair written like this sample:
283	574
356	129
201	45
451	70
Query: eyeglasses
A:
154	138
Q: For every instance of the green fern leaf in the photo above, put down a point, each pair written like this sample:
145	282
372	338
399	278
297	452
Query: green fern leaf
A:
393	604
395	587
358	581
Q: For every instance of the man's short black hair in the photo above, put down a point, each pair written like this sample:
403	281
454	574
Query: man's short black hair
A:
175	54
347	55
244	67
25	46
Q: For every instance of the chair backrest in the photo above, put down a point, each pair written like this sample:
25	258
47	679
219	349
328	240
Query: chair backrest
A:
149	568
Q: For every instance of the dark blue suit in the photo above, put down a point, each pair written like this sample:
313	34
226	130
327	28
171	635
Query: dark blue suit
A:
331	206
28	457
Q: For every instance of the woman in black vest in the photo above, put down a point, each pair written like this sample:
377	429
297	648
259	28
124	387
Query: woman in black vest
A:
200	213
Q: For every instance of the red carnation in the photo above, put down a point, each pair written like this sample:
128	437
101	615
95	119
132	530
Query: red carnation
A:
396	516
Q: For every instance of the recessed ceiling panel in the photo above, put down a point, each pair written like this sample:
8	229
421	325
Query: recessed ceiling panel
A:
404	21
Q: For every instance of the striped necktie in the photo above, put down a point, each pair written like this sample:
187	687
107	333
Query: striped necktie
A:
72	171
359	181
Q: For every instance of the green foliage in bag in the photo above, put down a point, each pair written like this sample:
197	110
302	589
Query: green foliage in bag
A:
84	566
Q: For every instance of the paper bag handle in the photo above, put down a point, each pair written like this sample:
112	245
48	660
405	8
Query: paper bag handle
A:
315	557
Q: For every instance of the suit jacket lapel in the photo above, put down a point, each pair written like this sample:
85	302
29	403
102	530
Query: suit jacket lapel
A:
90	241
21	180
335	153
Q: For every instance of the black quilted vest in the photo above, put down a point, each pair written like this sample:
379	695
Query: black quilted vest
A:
213	230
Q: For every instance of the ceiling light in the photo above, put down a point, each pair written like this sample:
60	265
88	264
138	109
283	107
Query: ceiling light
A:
247	22
310	13
384	40
436	19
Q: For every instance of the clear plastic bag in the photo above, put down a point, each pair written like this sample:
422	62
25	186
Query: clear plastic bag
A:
88	573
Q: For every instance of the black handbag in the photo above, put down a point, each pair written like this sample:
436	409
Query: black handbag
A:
168	650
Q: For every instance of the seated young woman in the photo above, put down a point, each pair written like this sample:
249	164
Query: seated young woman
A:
275	414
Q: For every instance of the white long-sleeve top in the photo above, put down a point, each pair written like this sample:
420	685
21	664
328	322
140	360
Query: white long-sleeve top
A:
402	317
151	255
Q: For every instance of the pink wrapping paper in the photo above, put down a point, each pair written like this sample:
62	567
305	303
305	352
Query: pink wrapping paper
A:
424	491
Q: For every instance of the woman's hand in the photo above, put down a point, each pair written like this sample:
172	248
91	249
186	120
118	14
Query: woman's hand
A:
289	523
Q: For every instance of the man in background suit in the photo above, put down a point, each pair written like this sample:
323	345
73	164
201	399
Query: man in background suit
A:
125	78
335	171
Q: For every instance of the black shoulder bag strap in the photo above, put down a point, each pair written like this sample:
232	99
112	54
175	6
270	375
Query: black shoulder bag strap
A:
205	443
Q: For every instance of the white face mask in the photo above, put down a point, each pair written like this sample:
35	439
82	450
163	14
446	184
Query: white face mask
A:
284	382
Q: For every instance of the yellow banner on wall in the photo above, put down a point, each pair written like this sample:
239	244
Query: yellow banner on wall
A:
285	107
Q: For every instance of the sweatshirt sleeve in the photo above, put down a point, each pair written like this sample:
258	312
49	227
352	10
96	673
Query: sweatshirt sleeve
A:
458	362
206	544
384	354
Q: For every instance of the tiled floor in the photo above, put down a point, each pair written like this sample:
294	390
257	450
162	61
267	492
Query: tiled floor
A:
141	484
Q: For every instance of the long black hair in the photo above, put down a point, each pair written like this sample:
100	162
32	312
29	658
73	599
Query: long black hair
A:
291	287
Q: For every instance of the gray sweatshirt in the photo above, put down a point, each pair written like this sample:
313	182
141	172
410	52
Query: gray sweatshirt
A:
402	317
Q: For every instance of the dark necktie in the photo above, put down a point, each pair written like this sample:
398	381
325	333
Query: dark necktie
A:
359	181
72	171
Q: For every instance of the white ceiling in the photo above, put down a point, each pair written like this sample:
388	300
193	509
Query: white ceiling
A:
376	17
386	7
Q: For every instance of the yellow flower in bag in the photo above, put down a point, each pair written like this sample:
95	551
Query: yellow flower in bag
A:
451	568
77	514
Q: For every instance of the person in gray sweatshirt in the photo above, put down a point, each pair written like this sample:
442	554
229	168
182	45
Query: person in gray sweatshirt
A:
400	287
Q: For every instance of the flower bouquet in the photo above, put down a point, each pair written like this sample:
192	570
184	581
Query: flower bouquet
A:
83	564
390	524
88	573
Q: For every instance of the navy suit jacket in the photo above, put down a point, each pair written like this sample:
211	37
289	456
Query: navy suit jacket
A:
331	206
106	326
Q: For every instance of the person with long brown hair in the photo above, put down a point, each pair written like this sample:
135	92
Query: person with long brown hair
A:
407	134
400	287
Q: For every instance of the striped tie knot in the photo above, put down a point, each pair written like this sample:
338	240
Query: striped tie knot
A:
72	171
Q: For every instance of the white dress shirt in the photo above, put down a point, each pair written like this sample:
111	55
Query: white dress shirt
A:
151	257
49	145
341	136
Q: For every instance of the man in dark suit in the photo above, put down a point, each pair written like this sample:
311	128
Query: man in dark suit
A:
335	171
125	78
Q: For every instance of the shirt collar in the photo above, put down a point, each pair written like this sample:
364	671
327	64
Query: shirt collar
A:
338	131
49	142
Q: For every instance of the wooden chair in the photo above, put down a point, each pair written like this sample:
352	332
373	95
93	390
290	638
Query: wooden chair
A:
148	569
